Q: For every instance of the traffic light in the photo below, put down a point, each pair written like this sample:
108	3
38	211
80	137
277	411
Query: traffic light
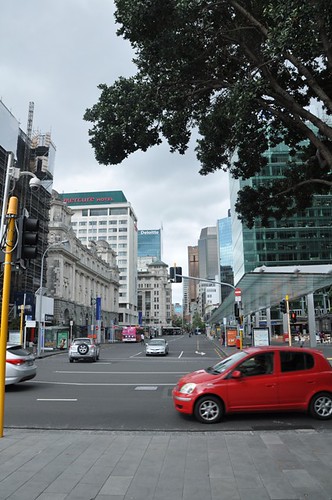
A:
172	274
236	311
27	240
175	274
293	316
178	275
283	306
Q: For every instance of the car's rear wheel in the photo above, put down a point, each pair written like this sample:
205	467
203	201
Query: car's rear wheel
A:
83	349
209	410
321	406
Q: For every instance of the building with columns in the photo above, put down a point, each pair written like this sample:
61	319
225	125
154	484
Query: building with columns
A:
76	275
154	297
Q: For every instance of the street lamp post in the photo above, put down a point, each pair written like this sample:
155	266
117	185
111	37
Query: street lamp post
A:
40	315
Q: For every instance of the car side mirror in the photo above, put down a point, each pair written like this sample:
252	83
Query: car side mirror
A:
236	374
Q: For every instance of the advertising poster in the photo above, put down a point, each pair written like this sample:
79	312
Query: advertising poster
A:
231	337
62	341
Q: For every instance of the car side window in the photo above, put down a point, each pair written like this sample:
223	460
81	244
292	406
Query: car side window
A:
260	364
293	361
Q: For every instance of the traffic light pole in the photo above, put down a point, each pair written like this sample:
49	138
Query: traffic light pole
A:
10	242
206	281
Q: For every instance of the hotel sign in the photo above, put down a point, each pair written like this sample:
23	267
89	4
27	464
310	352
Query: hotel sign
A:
96	198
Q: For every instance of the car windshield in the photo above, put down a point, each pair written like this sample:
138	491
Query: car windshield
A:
226	363
157	342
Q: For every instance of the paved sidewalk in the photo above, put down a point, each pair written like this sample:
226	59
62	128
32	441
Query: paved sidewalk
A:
82	465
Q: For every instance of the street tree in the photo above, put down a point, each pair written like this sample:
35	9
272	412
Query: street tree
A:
245	75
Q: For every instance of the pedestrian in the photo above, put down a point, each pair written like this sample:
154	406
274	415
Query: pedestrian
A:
34	345
301	340
142	338
322	337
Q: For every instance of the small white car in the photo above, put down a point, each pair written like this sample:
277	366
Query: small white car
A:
156	347
83	348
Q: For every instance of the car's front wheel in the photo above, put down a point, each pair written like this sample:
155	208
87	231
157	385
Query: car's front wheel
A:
71	360
209	410
321	406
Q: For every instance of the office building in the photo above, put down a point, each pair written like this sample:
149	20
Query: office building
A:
107	215
190	288
208	260
76	278
149	243
225	247
154	297
305	238
34	155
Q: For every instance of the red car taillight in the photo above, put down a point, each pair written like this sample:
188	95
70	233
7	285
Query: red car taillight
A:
17	362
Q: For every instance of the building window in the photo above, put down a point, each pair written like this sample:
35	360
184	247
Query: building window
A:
85	212
98	211
92	223
118	211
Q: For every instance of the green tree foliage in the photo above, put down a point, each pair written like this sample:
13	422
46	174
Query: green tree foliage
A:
246	74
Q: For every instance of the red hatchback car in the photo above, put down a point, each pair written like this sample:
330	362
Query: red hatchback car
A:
258	379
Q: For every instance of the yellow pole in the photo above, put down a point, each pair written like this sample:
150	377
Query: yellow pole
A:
10	241
21	324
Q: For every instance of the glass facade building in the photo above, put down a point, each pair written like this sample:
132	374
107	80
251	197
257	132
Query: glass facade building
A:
225	245
303	239
149	243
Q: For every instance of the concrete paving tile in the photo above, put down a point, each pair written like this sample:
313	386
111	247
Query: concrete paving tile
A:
131	457
116	485
83	492
254	494
224	488
303	482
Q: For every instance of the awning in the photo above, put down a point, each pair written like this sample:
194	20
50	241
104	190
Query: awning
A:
267	286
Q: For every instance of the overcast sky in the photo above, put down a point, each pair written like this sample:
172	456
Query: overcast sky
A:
55	53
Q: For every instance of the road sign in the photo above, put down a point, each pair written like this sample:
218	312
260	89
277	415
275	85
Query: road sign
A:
237	293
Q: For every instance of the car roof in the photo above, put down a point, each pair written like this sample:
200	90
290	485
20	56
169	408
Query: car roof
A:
259	349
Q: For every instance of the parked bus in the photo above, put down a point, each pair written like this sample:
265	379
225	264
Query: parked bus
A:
171	330
132	334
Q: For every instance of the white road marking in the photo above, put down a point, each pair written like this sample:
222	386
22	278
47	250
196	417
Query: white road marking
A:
180	356
91	384
55	399
120	373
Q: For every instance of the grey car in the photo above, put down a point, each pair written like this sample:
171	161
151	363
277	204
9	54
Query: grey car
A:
156	347
20	364
83	348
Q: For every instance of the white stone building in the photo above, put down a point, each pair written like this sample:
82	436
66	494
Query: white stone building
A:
77	275
108	216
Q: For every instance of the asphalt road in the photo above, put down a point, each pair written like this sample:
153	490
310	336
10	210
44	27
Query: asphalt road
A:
125	390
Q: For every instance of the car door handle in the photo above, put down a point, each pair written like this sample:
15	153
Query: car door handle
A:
270	385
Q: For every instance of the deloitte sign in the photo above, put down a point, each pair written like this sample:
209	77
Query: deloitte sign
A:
151	231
